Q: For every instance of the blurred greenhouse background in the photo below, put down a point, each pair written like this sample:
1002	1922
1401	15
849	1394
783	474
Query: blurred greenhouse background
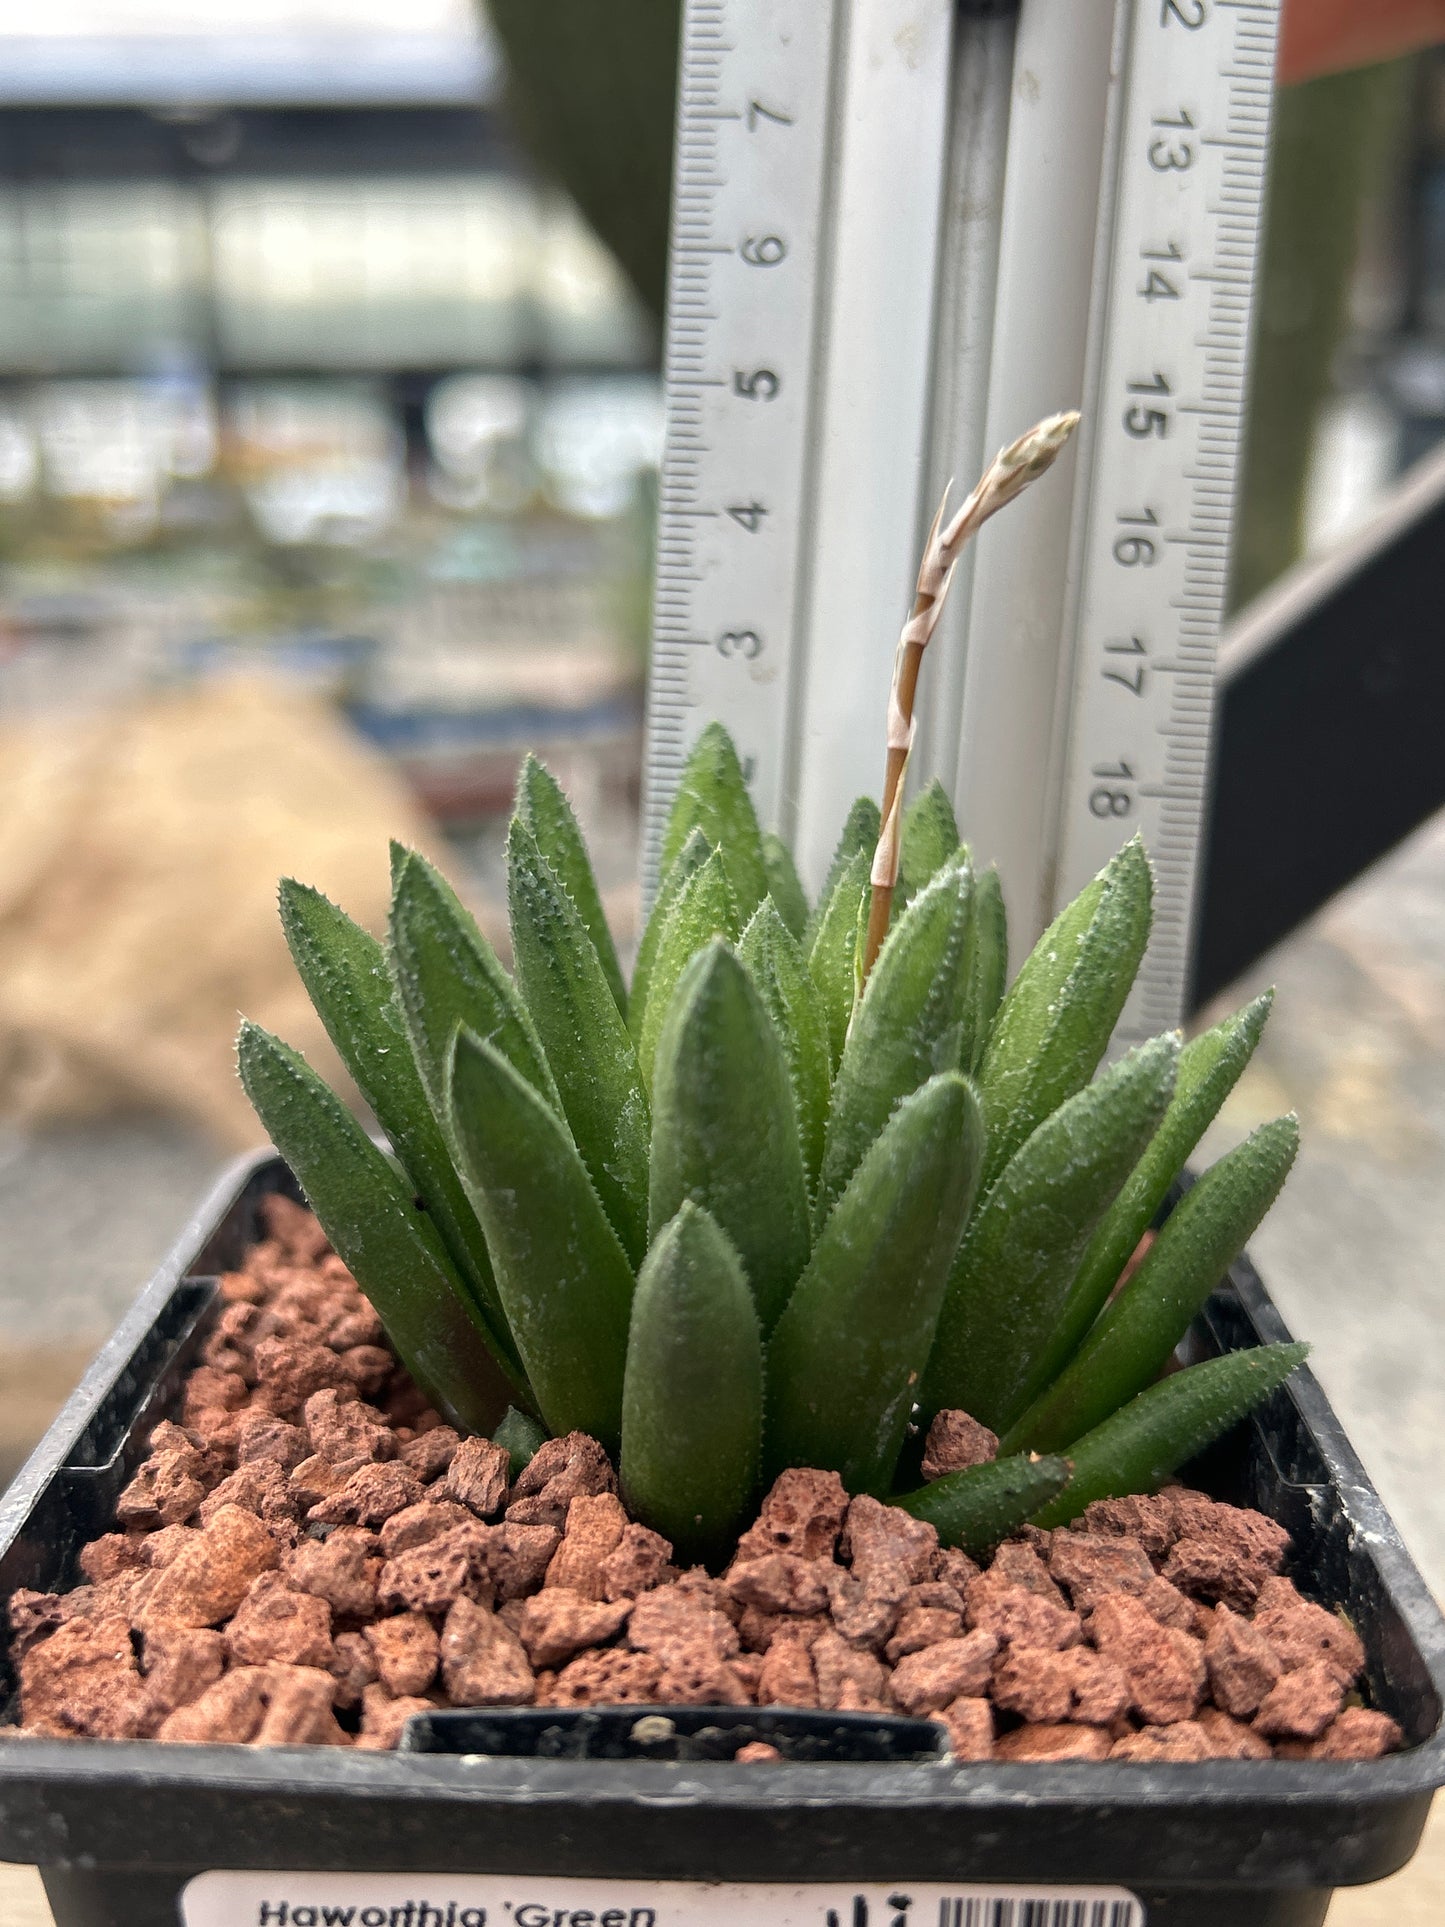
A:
328	436
304	372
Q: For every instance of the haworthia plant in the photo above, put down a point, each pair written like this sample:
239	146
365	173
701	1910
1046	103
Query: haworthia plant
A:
976	1508
770	1208
780	970
907	1025
590	1054
379	1229
345	973
1011	1278
1146	1441
1209	1068
544	810
691	857
858	837
832	958
447	975
1132	1339
565	1279
1055	1022
785	890
842	1363
987	964
692	1393
726	1131
930	838
713	797
521	1436
705	907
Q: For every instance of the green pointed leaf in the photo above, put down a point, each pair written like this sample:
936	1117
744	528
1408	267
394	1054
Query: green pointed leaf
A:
705	908
694	853
846	1355
692	1400
725	1128
388	1245
987	965
997	1335
907	1026
562	1273
1145	1443
977	1508
713	797
344	970
588	1047
778	968
1209	1068
1055	1023
448	974
860	949
1134	1337
859	838
783	885
832	961
930	838
544	809
520	1437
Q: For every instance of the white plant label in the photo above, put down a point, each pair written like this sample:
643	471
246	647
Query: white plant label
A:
521	1900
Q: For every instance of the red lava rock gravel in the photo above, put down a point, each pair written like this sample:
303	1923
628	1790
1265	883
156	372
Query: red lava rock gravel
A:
308	1556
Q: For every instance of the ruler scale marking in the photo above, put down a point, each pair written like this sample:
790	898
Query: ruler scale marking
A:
1157	727
752	144
1094	169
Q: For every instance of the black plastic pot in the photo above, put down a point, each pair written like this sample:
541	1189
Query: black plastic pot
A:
120	1828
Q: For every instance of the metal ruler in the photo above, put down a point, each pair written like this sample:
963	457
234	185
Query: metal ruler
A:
904	230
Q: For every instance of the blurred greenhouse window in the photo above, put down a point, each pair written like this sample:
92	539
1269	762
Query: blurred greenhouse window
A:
326	418
306	369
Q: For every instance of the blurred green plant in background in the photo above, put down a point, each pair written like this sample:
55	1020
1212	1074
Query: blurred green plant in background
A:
592	89
1333	140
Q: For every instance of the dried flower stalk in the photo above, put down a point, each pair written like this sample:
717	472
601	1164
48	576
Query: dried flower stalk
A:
1007	475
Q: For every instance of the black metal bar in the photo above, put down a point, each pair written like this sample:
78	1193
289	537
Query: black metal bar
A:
110	144
1330	731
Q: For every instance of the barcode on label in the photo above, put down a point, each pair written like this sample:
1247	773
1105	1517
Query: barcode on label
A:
959	1911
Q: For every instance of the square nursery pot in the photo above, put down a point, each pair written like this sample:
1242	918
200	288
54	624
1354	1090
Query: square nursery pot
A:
580	1819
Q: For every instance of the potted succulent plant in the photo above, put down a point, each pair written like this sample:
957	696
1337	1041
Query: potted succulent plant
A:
741	1311
814	1179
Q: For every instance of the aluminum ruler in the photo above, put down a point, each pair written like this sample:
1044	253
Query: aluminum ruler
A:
904	230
